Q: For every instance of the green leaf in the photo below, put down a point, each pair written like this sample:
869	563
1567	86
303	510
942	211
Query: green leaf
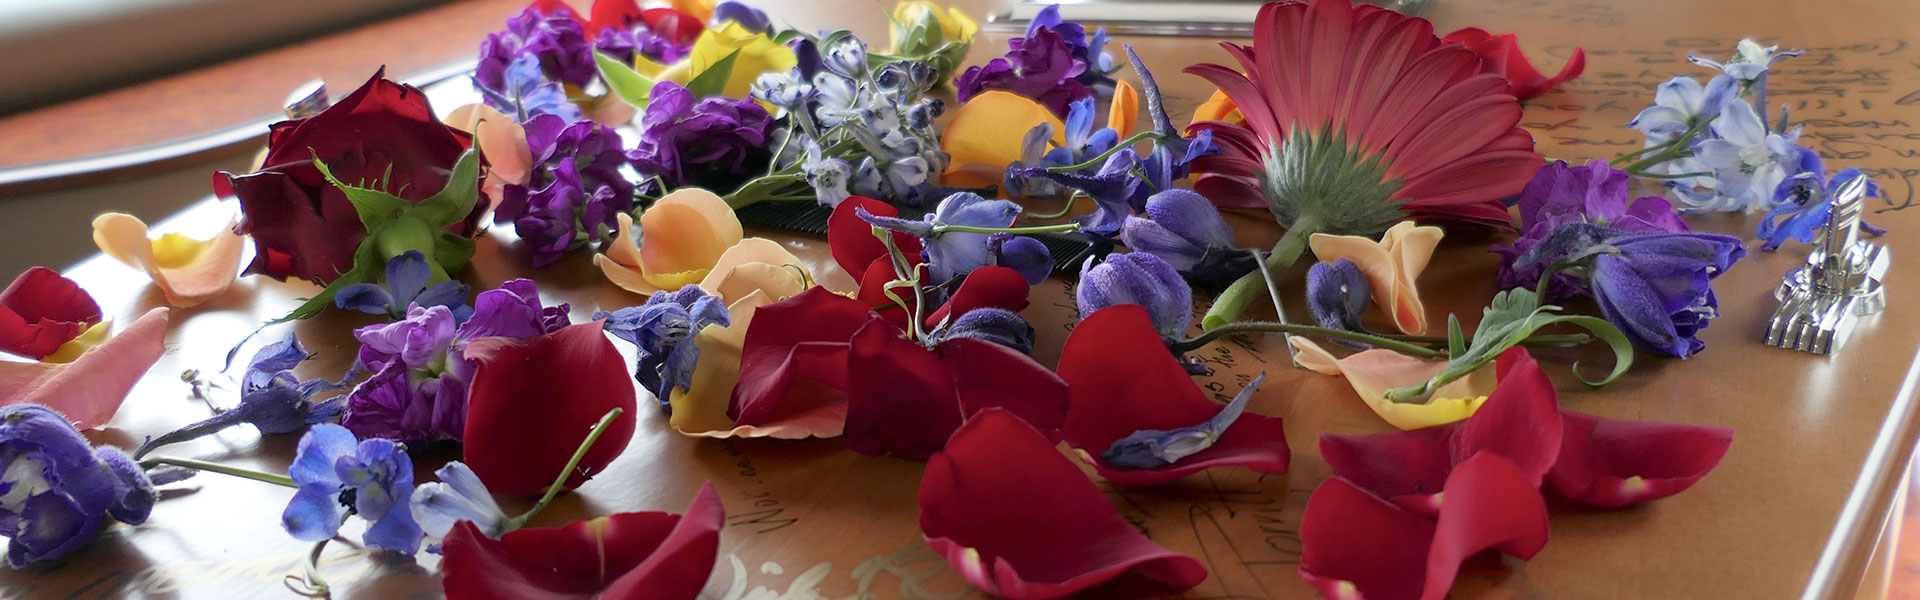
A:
713	80
625	82
373	205
1510	319
453	252
1456	341
452	204
1607	332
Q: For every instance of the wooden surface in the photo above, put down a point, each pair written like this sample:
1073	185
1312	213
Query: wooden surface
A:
809	518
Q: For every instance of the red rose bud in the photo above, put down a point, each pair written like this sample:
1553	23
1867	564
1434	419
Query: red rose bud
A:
382	135
533	401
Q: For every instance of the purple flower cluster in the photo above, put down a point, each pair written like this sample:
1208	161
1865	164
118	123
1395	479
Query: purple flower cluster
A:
576	190
1561	194
558	42
1055	63
418	391
622	43
712	143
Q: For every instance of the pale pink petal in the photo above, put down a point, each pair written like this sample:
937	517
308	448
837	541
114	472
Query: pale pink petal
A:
89	390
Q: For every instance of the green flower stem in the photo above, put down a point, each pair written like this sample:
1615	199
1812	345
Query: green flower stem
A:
764	188
201	465
561	481
1102	157
1268	327
314	586
1071	200
1226	308
1061	228
1661	153
1567	339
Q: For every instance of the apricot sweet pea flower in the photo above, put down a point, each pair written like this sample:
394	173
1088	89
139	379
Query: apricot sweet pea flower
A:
624	556
89	389
1391	264
43	310
1373	372
1501	55
188	271
988	133
501	140
978	509
692	237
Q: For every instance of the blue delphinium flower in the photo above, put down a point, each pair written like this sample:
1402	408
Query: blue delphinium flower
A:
879	124
55	491
1656	287
662	330
1142	279
1682	103
458	496
1747	159
407	276
951	254
338	476
1337	294
1803	203
1025	255
1750	64
521	92
575	191
1154	448
1184	229
272	399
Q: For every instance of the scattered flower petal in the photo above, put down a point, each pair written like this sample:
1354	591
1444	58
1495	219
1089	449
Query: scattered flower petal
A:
533	401
1613	463
1373	372
41	310
90	389
623	556
188	271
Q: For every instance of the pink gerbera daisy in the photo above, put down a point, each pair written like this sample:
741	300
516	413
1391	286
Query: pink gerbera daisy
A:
1358	117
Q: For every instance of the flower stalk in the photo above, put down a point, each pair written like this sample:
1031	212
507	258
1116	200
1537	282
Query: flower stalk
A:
201	465
1228	306
561	481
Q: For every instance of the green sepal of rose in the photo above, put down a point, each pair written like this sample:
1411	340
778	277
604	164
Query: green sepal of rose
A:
1513	316
395	226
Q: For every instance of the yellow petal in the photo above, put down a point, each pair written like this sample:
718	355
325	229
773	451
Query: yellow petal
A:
1373	372
703	406
700	9
93	336
1124	109
986	133
683	235
187	271
756	265
754	54
1391	265
958	26
1218	107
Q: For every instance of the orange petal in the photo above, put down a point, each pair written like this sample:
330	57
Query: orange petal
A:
91	388
188	271
1392	265
610	110
756	265
683	235
1373	372
1218	107
1124	110
985	136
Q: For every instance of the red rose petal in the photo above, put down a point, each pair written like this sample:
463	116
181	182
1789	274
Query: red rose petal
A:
803	337
1501	54
680	27
1519	421
981	508
554	8
611	14
900	396
851	238
652	555
873	293
90	389
532	402
41	310
1612	462
1356	545
995	376
985	287
1122	380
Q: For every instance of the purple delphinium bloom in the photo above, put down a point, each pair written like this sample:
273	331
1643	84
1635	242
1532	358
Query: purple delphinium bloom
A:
1083	143
56	491
521	92
1025	255
337	476
1803	203
1656	287
1137	278
558	42
1155	448
458	496
1182	228
1560	194
407	277
712	142
662	330
950	254
418	391
1113	187
272	399
997	325
1337	294
575	192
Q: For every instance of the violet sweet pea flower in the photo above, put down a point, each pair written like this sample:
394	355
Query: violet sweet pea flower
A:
1138	278
55	491
710	142
576	191
558	42
1595	193
338	476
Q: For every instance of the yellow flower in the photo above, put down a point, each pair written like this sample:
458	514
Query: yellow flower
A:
753	54
1124	109
188	271
691	237
701	10
1373	372
986	135
1391	265
953	24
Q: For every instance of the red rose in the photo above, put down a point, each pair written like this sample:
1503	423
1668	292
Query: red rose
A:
304	227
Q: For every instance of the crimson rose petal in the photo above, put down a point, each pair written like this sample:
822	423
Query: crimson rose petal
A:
1519	421
803	337
851	238
900	396
1612	462
985	287
1122	379
1019	521
1356	545
41	310
533	401
1500	54
995	376
624	556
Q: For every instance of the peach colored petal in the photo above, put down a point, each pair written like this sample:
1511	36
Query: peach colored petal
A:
1124	109
1218	107
683	235
504	142
91	388
986	134
1373	372
756	264
702	411
610	110
621	263
1392	265
188	271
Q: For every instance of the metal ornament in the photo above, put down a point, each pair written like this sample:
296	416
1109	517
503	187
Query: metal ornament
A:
1820	302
